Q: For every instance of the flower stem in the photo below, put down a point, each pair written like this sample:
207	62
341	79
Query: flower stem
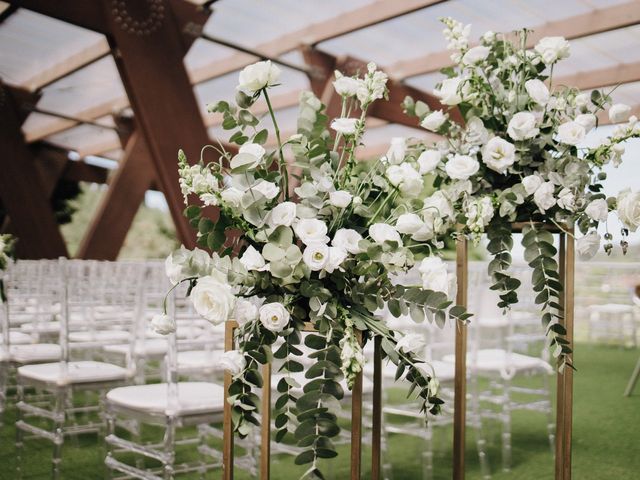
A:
283	165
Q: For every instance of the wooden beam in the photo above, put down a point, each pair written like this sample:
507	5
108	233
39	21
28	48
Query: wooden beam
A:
603	77
347	22
22	193
597	21
106	234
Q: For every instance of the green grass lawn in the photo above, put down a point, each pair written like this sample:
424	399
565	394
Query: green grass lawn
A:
606	438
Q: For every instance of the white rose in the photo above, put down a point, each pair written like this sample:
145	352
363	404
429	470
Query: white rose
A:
619	112
345	126
163	324
409	223
274	316
428	161
316	256
268	189
434	121
597	210
449	93
212	299
383	232
475	55
629	209
232	196
336	257
258	76
498	154
522	126
538	91
587	120
345	86
531	183
435	276
245	311
543	196
588	246
566	199
411	343
311	230
461	167
253	260
347	239
397	150
571	133
340	198
283	214
232	361
552	49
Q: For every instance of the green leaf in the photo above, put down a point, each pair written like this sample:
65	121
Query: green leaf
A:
261	137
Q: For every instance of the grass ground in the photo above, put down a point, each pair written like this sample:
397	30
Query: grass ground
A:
605	446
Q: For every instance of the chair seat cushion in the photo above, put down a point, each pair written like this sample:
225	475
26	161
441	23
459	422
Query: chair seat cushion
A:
192	398
17	338
155	347
35	353
495	360
100	336
198	360
50	326
76	372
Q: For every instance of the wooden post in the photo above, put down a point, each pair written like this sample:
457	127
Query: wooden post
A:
265	444
460	382
227	423
376	421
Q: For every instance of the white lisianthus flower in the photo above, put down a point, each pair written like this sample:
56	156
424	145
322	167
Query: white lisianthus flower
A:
254	149
588	246
567	200
252	259
406	178
274	316
587	120
475	55
397	150
213	299
411	343
347	239
249	155
434	120
522	126
316	256
629	209
340	198
184	263
475	132
232	361
543	196
598	210
409	223
461	167
435	276
258	76
336	257
345	126
383	232
283	214
439	204
245	311
163	324
232	196
498	154
538	91
571	133
552	49
582	100
619	113
268	189
531	183
450	92
311	230
345	86
428	161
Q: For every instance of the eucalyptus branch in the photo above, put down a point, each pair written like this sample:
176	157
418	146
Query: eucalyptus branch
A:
283	165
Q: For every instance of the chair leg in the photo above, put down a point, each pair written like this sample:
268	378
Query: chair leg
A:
169	450
476	421
427	454
4	377
633	380
19	434
506	428
551	424
60	404
387	468
110	419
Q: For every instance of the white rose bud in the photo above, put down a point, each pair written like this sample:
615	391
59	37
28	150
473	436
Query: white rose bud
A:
253	260
538	91
434	121
619	112
552	49
588	246
163	324
522	126
475	55
274	316
345	86
543	196
571	133
428	161
347	239
340	198
598	210
232	361
383	232
258	76
345	126
461	167
411	343
435	276
397	150
213	299
409	223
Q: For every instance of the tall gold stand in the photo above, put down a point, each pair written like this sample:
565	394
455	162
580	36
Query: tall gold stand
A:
564	394
265	433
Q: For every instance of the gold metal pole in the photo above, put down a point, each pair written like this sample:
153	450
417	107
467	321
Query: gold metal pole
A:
227	424
460	382
356	423
376	420
265	425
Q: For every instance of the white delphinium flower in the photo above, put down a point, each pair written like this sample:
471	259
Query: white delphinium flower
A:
213	298
232	361
456	34
347	239
373	86
411	343
571	133
461	167
567	200
543	196
274	316
552	49
252	259
629	209
383	232
351	355
522	126
619	112
597	210
397	150
345	86
409	223
476	55
283	214
479	212
163	324
531	183
498	154
435	275
311	230
268	189
245	311
428	161
336	257
434	120
345	126
258	76
588	246
316	256
340	198
538	91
